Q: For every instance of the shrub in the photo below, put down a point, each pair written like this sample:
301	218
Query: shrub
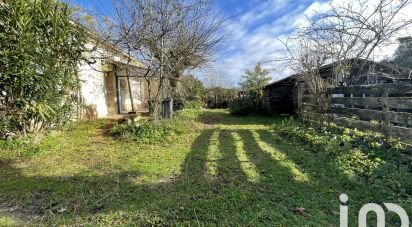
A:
143	130
21	147
180	104
357	163
148	131
196	105
39	54
191	89
242	106
246	106
219	97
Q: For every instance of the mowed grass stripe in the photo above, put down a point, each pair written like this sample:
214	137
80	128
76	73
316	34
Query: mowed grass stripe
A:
213	155
283	161
247	166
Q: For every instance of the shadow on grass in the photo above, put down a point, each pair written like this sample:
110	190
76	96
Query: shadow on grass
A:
329	179
225	118
254	184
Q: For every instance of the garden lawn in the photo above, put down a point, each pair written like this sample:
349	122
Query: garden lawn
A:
223	170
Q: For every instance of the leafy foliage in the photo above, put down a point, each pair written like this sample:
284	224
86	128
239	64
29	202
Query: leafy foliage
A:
253	84
255	81
145	131
153	132
191	88
360	155
242	106
219	97
403	55
105	181
190	94
39	52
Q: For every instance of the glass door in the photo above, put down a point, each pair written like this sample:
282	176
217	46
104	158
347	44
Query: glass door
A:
125	105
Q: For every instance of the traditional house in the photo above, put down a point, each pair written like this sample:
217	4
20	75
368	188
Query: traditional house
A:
105	79
282	96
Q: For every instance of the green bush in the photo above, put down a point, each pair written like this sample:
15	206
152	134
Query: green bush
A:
195	105
246	106
180	104
39	55
242	106
21	147
143	130
148	131
219	97
357	163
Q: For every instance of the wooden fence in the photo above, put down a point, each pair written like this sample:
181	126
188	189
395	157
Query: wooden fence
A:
383	108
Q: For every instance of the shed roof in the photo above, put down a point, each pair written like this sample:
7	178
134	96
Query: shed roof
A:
387	69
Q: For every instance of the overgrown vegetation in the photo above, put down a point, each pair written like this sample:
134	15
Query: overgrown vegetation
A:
219	97
221	169
157	131
363	156
242	106
169	37
39	52
251	99
190	93
403	54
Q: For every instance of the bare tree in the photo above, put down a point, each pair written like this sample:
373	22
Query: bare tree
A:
214	78
357	30
168	37
347	34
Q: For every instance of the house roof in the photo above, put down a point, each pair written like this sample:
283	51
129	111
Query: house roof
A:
285	80
122	57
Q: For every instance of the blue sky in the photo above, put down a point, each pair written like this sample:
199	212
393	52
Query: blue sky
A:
254	32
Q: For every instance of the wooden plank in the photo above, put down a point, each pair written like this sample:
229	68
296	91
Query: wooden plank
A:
394	131
406	133
310	121
300	88
359	124
396	88
316	116
390	102
401	118
363	114
408	149
309	98
385	110
309	115
399	132
308	107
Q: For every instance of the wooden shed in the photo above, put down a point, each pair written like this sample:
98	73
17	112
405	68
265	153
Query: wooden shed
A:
281	96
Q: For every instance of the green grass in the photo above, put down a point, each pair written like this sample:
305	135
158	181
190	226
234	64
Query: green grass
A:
221	170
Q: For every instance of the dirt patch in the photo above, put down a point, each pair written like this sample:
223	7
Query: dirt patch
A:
4	162
169	179
211	119
105	129
32	208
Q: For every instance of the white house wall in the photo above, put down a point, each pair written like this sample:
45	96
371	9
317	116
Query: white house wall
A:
93	88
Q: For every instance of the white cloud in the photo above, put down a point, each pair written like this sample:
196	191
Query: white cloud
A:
255	36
